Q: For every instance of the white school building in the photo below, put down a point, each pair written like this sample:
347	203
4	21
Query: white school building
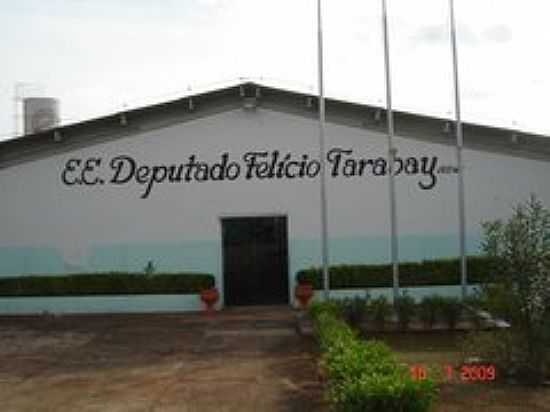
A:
227	182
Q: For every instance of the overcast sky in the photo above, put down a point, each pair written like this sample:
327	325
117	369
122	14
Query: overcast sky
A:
98	56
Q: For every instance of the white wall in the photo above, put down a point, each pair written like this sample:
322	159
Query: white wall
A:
47	226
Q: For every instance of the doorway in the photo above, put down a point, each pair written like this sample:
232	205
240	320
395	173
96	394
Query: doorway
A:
255	260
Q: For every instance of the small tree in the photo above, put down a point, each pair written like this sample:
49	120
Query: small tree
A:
150	268
519	286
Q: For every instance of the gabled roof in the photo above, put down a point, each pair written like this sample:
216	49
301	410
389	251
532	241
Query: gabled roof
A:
251	94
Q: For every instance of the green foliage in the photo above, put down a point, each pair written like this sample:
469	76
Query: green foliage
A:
105	284
451	311
332	332
355	309
500	300
498	347
381	310
470	308
425	273
519	288
405	307
365	376
150	268
429	308
379	393
473	301
348	359
332	307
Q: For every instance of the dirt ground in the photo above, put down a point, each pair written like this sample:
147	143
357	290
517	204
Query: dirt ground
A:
238	360
241	360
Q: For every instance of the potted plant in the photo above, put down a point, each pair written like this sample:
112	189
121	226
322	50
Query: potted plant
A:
210	297
304	292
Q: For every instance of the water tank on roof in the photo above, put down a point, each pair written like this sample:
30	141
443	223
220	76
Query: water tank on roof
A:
40	113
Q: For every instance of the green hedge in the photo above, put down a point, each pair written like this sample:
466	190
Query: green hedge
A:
425	273
105	284
365	376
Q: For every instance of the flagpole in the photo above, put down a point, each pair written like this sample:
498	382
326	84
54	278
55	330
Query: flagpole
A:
459	144
324	231
391	156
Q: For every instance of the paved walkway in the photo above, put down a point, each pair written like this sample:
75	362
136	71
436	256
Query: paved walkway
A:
238	360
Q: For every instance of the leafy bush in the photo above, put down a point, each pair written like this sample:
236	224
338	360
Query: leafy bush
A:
429	308
405	308
498	299
471	306
389	392
519	289
381	310
349	359
498	347
365	376
473	301
425	273
451	310
105	284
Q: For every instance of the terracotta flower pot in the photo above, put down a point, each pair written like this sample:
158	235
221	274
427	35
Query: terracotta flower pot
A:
210	297
304	293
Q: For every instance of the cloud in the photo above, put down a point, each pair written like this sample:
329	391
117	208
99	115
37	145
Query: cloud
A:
96	55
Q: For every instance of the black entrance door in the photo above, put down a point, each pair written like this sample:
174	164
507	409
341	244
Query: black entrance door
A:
255	260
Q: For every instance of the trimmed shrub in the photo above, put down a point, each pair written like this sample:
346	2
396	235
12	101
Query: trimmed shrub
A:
332	307
425	273
331	331
356	358
383	392
105	284
365	376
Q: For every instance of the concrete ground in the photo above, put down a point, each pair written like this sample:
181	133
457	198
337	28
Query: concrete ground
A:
238	360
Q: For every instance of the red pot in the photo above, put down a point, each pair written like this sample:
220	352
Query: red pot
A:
210	297
304	293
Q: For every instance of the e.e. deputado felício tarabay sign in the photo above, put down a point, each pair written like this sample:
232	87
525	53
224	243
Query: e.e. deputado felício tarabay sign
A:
124	169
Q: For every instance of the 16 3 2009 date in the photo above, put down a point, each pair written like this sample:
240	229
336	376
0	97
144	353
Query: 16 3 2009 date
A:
465	373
